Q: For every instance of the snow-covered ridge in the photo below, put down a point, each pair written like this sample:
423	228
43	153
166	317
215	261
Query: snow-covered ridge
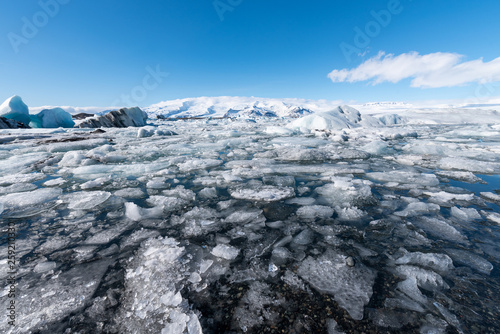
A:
427	112
227	106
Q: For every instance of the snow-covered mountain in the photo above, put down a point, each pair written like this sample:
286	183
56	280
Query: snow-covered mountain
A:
226	106
430	112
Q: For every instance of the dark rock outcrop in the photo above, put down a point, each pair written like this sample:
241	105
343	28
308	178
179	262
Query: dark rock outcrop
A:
6	123
122	118
82	115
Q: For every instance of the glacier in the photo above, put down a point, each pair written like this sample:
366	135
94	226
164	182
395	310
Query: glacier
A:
248	215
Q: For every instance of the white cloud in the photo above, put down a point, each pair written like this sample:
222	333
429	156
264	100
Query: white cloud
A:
433	70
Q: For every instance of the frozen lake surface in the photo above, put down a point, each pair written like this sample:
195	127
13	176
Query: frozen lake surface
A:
238	226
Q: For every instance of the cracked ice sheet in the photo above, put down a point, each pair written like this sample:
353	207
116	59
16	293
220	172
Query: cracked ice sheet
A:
20	163
28	203
240	141
138	169
42	301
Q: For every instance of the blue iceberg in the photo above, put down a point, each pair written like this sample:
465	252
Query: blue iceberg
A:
14	108
52	118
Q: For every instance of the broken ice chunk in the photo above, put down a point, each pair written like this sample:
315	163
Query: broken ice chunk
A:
194	278
492	216
438	262
130	193
225	251
17	188
376	147
440	229
205	265
171	298
193	325
279	181
138	236
256	306
350	214
465	213
136	213
72	159
333	327
280	255
167	203
177	324
97	183
426	279
21	178
346	192
30	203
145	132
106	235
470	260
198	221
446	197
460	176
196	164
403	300
262	193
245	217
350	286
54	182
491	197
85	200
157	183
207	193
433	325
180	192
429	180
304	238
449	317
301	201
315	211
417	208
44	266
278	130
469	165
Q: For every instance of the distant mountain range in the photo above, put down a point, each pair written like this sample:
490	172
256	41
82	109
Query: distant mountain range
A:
226	106
254	107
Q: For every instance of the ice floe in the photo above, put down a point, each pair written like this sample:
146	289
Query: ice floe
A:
350	286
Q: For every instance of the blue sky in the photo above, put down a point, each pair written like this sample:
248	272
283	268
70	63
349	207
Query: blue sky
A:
102	52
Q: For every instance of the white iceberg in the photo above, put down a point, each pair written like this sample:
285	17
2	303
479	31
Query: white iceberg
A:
342	117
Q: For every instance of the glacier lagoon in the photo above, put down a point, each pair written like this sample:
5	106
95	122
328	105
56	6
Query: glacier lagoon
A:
255	226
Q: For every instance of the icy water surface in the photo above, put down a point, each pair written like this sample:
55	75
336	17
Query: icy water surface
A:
242	227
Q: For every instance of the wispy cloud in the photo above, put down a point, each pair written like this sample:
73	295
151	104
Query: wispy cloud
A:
433	70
